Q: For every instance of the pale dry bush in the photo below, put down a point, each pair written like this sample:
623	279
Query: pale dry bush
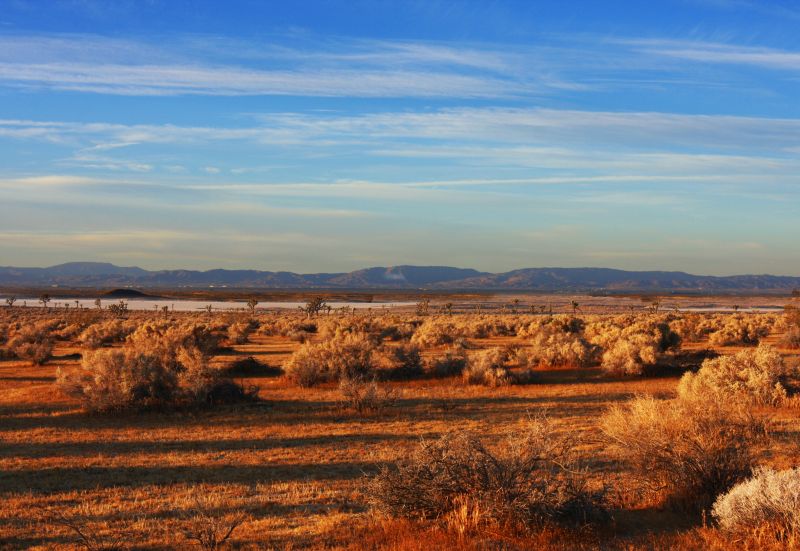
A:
553	347
530	327
363	396
633	343
348	355
402	362
751	376
687	327
119	380
534	477
161	364
285	325
487	368
791	338
436	331
166	340
239	331
606	331
630	354
740	329
33	343
484	326
449	364
380	328
107	332
68	331
769	499
688	451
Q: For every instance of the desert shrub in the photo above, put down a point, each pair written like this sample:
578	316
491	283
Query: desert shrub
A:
397	332
239	332
68	331
753	376
166	341
364	396
449	364
400	362
32	343
741	329
791	338
118	380
206	525
692	452
769	499
436	331
251	367
349	355
143	375
631	354
687	327
560	348
668	339
533	478
487	368
100	334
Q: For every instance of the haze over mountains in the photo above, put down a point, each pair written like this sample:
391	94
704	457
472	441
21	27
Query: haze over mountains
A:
104	275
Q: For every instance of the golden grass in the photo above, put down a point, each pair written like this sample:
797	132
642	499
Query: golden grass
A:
293	464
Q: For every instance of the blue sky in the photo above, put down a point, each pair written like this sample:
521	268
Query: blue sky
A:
334	135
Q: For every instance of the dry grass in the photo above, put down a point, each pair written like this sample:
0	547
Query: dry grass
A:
291	467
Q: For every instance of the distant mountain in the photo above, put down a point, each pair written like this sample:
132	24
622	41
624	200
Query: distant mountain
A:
104	275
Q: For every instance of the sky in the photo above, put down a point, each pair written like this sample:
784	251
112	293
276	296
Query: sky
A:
325	136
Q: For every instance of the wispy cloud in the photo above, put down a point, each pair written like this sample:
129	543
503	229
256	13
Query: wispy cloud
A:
721	53
551	129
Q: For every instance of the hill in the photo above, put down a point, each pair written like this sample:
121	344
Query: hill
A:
104	275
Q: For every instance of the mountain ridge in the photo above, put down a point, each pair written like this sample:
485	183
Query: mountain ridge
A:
100	274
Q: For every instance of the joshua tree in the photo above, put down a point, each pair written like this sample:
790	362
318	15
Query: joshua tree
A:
575	307
10	301
98	303
448	308
44	299
209	308
313	306
422	306
252	303
120	309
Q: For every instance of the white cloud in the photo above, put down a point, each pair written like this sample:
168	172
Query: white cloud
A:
721	53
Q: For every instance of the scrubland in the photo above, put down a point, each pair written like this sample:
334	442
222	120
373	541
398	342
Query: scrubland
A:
399	430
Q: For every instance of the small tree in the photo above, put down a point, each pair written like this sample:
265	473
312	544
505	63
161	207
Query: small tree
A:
10	301
314	306
98	303
251	304
44	300
119	310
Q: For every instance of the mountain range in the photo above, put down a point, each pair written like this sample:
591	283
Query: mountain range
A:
104	275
